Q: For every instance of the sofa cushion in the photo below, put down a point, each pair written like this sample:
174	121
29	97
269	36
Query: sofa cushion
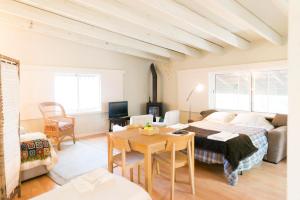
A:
205	113
252	120
221	117
64	126
280	120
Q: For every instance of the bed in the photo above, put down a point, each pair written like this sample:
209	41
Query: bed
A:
38	156
95	185
256	135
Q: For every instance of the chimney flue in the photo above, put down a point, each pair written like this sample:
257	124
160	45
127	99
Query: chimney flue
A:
154	83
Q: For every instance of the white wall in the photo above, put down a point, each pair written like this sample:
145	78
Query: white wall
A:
294	101
259	52
40	50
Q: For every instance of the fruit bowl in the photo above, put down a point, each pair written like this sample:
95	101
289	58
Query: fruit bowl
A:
149	130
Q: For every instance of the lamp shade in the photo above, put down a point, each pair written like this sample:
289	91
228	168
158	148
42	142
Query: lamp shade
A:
199	87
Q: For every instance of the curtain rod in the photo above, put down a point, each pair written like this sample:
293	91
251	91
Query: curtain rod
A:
9	60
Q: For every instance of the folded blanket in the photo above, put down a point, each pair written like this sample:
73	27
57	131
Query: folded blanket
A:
38	149
234	150
222	136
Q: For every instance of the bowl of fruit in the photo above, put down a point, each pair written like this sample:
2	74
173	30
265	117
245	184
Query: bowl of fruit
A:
148	129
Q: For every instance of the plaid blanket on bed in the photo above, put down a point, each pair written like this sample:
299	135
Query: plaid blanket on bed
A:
258	139
38	149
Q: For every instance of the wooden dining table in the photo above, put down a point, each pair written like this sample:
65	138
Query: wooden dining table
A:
146	144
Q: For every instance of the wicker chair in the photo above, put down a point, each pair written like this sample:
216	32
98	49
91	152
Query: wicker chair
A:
57	125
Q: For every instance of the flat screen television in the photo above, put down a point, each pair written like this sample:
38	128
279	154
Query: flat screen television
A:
118	109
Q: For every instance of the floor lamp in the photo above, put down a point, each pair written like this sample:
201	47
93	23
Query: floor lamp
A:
198	88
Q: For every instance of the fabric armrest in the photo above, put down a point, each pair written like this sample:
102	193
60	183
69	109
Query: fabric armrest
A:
277	144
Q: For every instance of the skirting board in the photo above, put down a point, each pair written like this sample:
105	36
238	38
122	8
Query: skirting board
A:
85	135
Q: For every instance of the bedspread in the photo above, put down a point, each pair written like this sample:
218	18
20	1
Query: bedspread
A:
36	150
257	137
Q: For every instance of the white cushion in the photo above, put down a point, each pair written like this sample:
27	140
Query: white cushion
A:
141	120
252	120
117	128
222	117
172	117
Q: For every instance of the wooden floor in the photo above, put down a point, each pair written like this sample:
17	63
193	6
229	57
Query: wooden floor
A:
264	182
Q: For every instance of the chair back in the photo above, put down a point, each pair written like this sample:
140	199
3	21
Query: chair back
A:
52	110
119	143
141	120
172	117
179	142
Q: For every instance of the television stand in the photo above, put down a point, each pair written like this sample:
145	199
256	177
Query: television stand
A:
121	121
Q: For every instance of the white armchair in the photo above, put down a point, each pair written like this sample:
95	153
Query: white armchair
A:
141	120
117	128
171	118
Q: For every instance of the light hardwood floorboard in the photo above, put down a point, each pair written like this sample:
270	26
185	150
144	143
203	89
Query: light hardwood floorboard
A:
264	182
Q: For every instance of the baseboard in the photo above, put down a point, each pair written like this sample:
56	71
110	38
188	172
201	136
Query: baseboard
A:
87	135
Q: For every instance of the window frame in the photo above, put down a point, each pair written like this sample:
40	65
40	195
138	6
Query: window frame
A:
79	111
212	86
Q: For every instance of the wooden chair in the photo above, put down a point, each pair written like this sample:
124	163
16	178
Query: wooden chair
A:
126	159
175	158
57	125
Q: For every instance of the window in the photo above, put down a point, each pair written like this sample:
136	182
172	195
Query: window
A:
78	92
232	91
270	91
260	91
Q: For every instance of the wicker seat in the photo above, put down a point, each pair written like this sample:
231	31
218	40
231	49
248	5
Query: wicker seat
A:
57	125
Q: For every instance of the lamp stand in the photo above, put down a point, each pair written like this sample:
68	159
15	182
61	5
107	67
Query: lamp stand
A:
190	112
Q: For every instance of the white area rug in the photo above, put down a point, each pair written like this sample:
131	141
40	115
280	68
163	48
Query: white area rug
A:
75	160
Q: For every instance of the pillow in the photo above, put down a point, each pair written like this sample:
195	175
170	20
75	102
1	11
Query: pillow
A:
280	120
205	113
252	120
222	117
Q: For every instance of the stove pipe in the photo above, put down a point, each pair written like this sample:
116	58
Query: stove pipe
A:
154	83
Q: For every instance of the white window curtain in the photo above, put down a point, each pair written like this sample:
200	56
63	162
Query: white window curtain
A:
78	92
232	91
258	91
88	92
270	91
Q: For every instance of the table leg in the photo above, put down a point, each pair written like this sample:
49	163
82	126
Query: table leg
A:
193	156
110	125
148	171
110	155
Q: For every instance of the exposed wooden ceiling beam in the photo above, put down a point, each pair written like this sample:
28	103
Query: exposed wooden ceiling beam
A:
92	17
35	14
169	31
236	12
188	20
25	24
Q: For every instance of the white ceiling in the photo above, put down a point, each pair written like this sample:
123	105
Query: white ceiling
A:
156	29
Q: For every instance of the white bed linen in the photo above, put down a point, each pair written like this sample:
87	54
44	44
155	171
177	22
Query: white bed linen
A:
107	186
48	162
